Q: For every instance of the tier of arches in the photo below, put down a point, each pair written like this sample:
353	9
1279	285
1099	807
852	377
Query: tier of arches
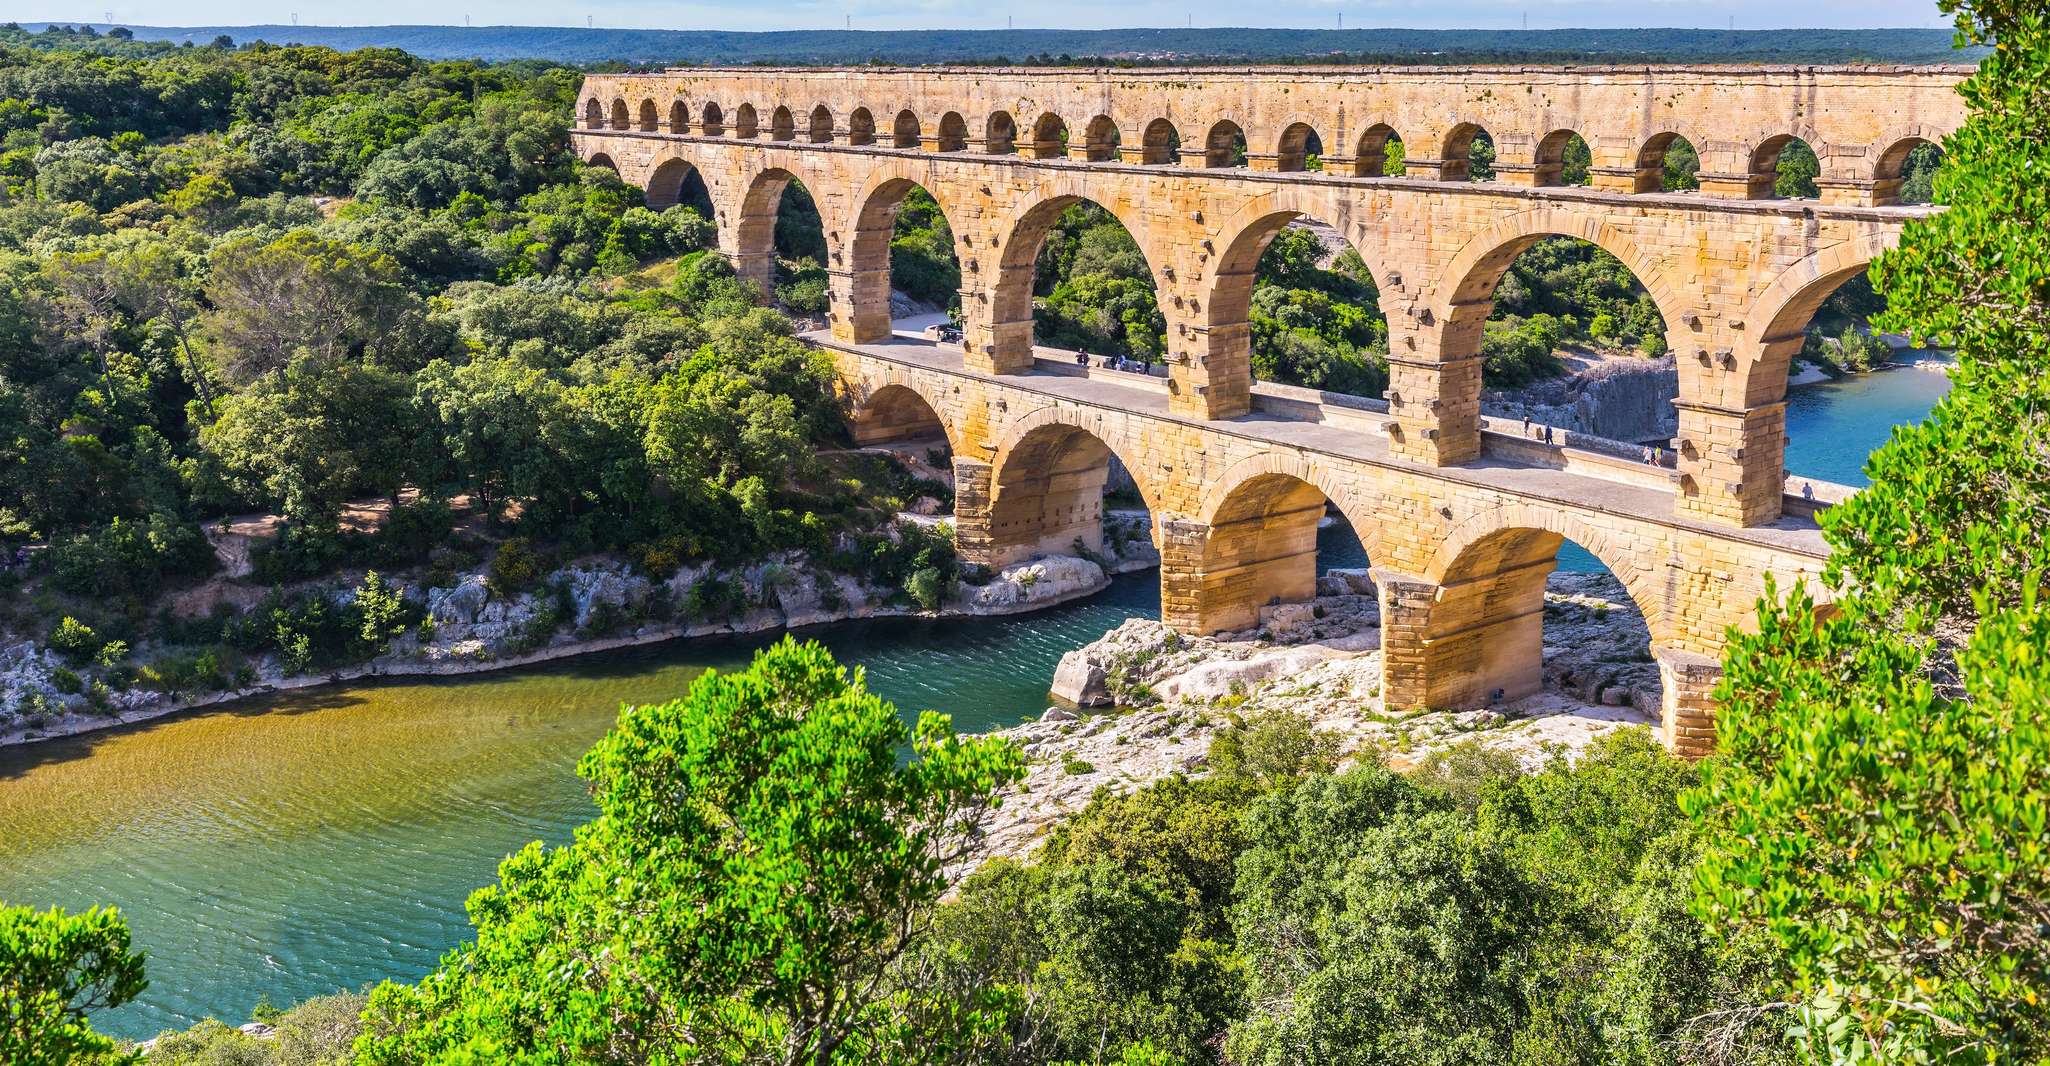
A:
1455	154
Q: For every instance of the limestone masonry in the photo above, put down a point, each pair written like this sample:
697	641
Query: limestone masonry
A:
1461	523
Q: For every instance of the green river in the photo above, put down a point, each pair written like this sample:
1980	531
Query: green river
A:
295	844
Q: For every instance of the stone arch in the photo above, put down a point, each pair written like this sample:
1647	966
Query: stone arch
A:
619	119
1227	305
1763	168
1455	159
1100	140
1370	156
894	409
649	116
1049	136
1469	279
905	130
679	117
712	120
1299	141
1549	162
820	125
600	159
752	246
1010	296
953	132
871	228
1782	312
594	114
1359	511
1047	475
673	181
1223	146
1888	169
746	123
1464	552
1651	159
1159	143
782	124
1000	133
1258	546
861	126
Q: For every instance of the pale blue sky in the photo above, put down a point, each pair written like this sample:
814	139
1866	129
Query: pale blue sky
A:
985	14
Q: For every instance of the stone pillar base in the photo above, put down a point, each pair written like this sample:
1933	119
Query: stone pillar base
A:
1437	411
1687	709
972	536
1731	463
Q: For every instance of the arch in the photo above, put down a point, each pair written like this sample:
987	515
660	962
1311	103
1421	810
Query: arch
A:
894	410
618	114
1049	136
1000	134
782	124
649	116
1552	162
953	132
1766	176
1223	146
1302	467
819	125
679	117
1470	279
746	125
861	126
1468	154
1654	172
675	181
600	159
904	130
594	114
754	232
868	246
1370	158
712	120
1785	308
1047	475
1889	172
1100	140
1299	142
1506	535
1010	301
1160	144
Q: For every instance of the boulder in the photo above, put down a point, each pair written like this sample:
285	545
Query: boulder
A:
459	605
1079	680
1047	579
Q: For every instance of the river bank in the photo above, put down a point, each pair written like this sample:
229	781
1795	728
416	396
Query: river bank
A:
1165	697
592	606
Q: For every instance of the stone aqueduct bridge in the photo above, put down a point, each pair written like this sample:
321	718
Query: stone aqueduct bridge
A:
1462	523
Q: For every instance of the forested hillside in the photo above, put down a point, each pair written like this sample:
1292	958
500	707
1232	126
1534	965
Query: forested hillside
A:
568	45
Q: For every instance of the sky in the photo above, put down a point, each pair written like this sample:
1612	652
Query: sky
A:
992	14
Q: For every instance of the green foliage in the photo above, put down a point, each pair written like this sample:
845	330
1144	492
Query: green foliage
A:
1878	808
55	968
130	558
758	857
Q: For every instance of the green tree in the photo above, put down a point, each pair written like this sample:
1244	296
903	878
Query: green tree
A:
1880	805
301	292
55	968
325	430
761	861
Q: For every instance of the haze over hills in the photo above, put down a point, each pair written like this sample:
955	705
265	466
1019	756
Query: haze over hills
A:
635	46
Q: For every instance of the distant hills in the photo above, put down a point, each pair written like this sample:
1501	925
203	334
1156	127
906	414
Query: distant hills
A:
642	47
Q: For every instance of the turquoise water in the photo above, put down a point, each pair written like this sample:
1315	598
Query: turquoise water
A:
302	843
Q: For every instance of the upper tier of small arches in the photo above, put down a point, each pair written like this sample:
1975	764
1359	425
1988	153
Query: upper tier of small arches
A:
1860	153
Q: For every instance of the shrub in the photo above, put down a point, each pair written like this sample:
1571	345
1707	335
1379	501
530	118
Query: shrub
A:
74	640
1076	766
515	567
927	587
131	557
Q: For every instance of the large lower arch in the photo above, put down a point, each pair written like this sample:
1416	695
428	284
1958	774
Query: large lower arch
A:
1475	634
866	309
1008	346
675	181
1254	543
894	411
752	248
1045	491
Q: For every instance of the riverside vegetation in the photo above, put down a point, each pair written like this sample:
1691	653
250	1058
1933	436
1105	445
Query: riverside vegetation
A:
1857	876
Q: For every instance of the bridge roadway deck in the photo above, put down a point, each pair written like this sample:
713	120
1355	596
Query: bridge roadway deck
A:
1579	481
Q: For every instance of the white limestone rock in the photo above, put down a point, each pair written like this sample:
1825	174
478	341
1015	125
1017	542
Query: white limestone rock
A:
1047	579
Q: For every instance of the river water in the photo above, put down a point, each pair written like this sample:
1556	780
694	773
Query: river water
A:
301	843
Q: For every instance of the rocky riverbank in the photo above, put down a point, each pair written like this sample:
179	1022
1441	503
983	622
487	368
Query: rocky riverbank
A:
592	605
1167	696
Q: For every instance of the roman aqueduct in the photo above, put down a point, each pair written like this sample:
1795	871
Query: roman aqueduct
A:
1204	167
